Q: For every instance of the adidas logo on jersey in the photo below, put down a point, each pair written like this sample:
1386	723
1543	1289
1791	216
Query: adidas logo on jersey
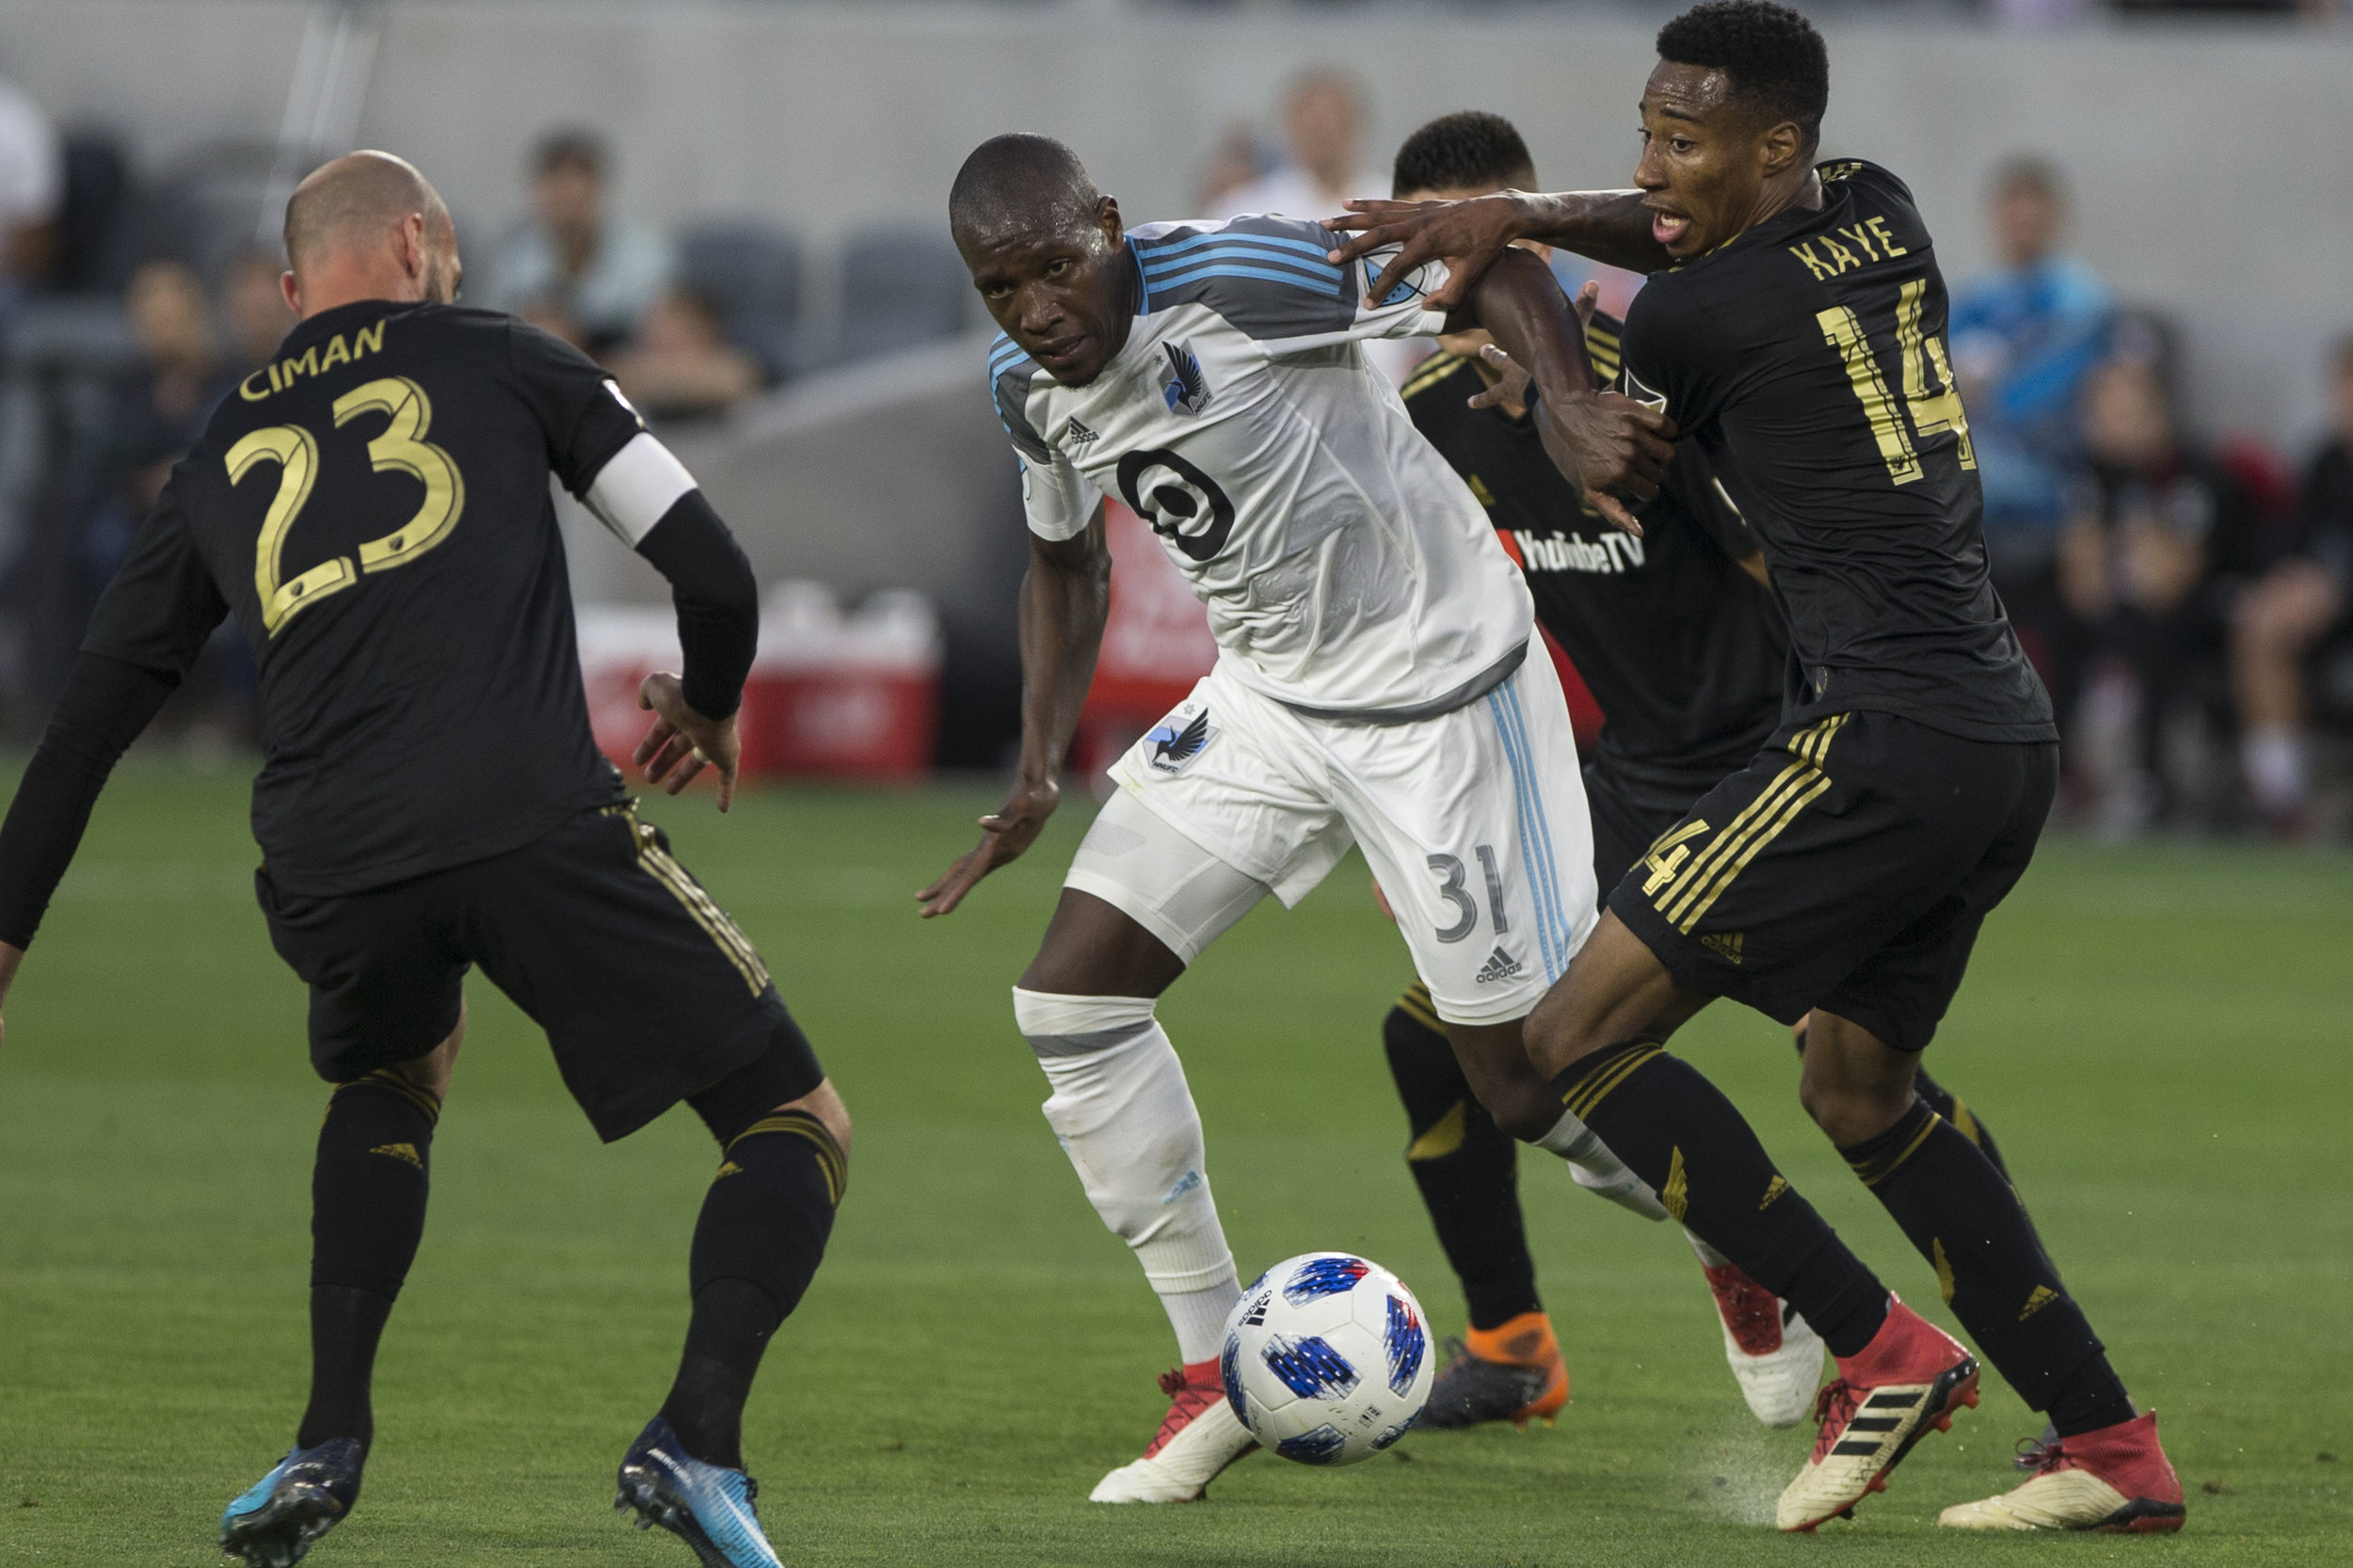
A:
1499	966
1187	388
1079	435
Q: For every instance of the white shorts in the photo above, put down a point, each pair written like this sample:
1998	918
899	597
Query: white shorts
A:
1474	824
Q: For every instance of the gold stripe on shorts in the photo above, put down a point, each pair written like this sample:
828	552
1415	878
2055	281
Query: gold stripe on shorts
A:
1797	787
659	864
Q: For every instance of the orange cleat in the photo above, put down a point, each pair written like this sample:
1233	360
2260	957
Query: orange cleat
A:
1513	1373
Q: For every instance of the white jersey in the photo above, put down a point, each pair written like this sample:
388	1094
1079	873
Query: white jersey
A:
1348	570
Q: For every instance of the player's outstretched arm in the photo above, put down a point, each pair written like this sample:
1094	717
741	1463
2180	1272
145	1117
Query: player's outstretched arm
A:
1603	443
1065	600
717	601
1612	226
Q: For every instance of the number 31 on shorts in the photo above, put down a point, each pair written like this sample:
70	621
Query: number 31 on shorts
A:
1453	886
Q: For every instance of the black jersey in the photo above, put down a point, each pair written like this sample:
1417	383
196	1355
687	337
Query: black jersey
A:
373	507
1682	649
1806	360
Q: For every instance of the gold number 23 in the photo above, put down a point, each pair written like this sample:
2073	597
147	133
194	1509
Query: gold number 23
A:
400	446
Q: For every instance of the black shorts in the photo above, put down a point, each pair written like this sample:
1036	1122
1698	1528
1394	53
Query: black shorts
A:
647	991
1847	867
1632	806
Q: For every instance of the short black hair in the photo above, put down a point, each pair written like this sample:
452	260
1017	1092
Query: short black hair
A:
1020	181
1771	56
1469	151
571	147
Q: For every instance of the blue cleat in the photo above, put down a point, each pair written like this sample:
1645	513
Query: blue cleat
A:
277	1523
703	1505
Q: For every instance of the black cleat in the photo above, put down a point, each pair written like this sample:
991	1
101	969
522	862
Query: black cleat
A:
282	1516
1471	1390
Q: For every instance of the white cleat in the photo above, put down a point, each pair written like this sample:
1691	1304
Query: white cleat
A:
1200	1436
1775	1357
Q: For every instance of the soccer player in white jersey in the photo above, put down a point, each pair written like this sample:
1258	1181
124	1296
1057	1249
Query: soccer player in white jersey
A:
1374	685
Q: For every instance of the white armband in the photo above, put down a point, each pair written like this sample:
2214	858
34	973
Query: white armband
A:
636	486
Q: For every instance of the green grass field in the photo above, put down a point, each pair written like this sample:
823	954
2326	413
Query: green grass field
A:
2159	1036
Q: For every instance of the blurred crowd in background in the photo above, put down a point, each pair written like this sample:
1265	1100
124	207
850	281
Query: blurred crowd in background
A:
2186	601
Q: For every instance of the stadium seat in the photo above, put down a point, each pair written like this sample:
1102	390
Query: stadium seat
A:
901	285
752	269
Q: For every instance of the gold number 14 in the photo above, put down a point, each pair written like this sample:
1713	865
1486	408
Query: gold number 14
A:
400	445
1931	413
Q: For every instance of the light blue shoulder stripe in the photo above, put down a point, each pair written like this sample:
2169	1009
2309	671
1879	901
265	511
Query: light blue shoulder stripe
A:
1327	279
1222	236
1158	264
1320	288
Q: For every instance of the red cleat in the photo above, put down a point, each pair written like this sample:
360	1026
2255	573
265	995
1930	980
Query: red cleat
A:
2116	1479
1908	1382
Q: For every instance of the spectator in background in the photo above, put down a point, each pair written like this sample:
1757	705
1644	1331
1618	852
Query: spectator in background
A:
1238	160
572	267
681	364
253	313
2298	607
2023	338
1324	130
2162	537
32	189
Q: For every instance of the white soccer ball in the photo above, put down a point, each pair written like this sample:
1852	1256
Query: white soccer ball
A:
1327	1358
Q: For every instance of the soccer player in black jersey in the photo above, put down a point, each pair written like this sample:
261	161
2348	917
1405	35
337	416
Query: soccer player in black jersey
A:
1792	330
372	508
1676	635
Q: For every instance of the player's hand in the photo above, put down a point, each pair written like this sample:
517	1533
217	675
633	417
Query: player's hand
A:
682	743
10	956
1004	836
1610	446
1512	390
1467	235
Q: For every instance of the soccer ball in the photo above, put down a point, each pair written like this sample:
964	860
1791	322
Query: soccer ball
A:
1327	1358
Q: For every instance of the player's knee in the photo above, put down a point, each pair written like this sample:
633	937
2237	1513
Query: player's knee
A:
824	1102
433	1071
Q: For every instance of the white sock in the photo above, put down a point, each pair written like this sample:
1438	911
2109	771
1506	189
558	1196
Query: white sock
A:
1593	1167
2278	774
1124	1113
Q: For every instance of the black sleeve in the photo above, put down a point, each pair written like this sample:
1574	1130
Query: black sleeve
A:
163	604
717	600
1677	357
1691	482
106	705
580	408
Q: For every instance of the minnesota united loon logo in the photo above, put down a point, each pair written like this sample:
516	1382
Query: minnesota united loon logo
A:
1187	388
1179	738
1080	436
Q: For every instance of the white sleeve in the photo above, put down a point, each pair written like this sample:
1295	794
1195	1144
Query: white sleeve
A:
1402	314
636	486
1059	500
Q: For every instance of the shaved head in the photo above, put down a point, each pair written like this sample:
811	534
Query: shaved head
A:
1021	184
358	200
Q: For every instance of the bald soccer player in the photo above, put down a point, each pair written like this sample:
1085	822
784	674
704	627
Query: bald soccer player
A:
371	506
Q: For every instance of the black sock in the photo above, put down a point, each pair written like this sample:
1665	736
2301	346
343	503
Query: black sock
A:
1962	1214
368	1192
757	1246
1678	1132
1948	1104
1945	1104
1464	1165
